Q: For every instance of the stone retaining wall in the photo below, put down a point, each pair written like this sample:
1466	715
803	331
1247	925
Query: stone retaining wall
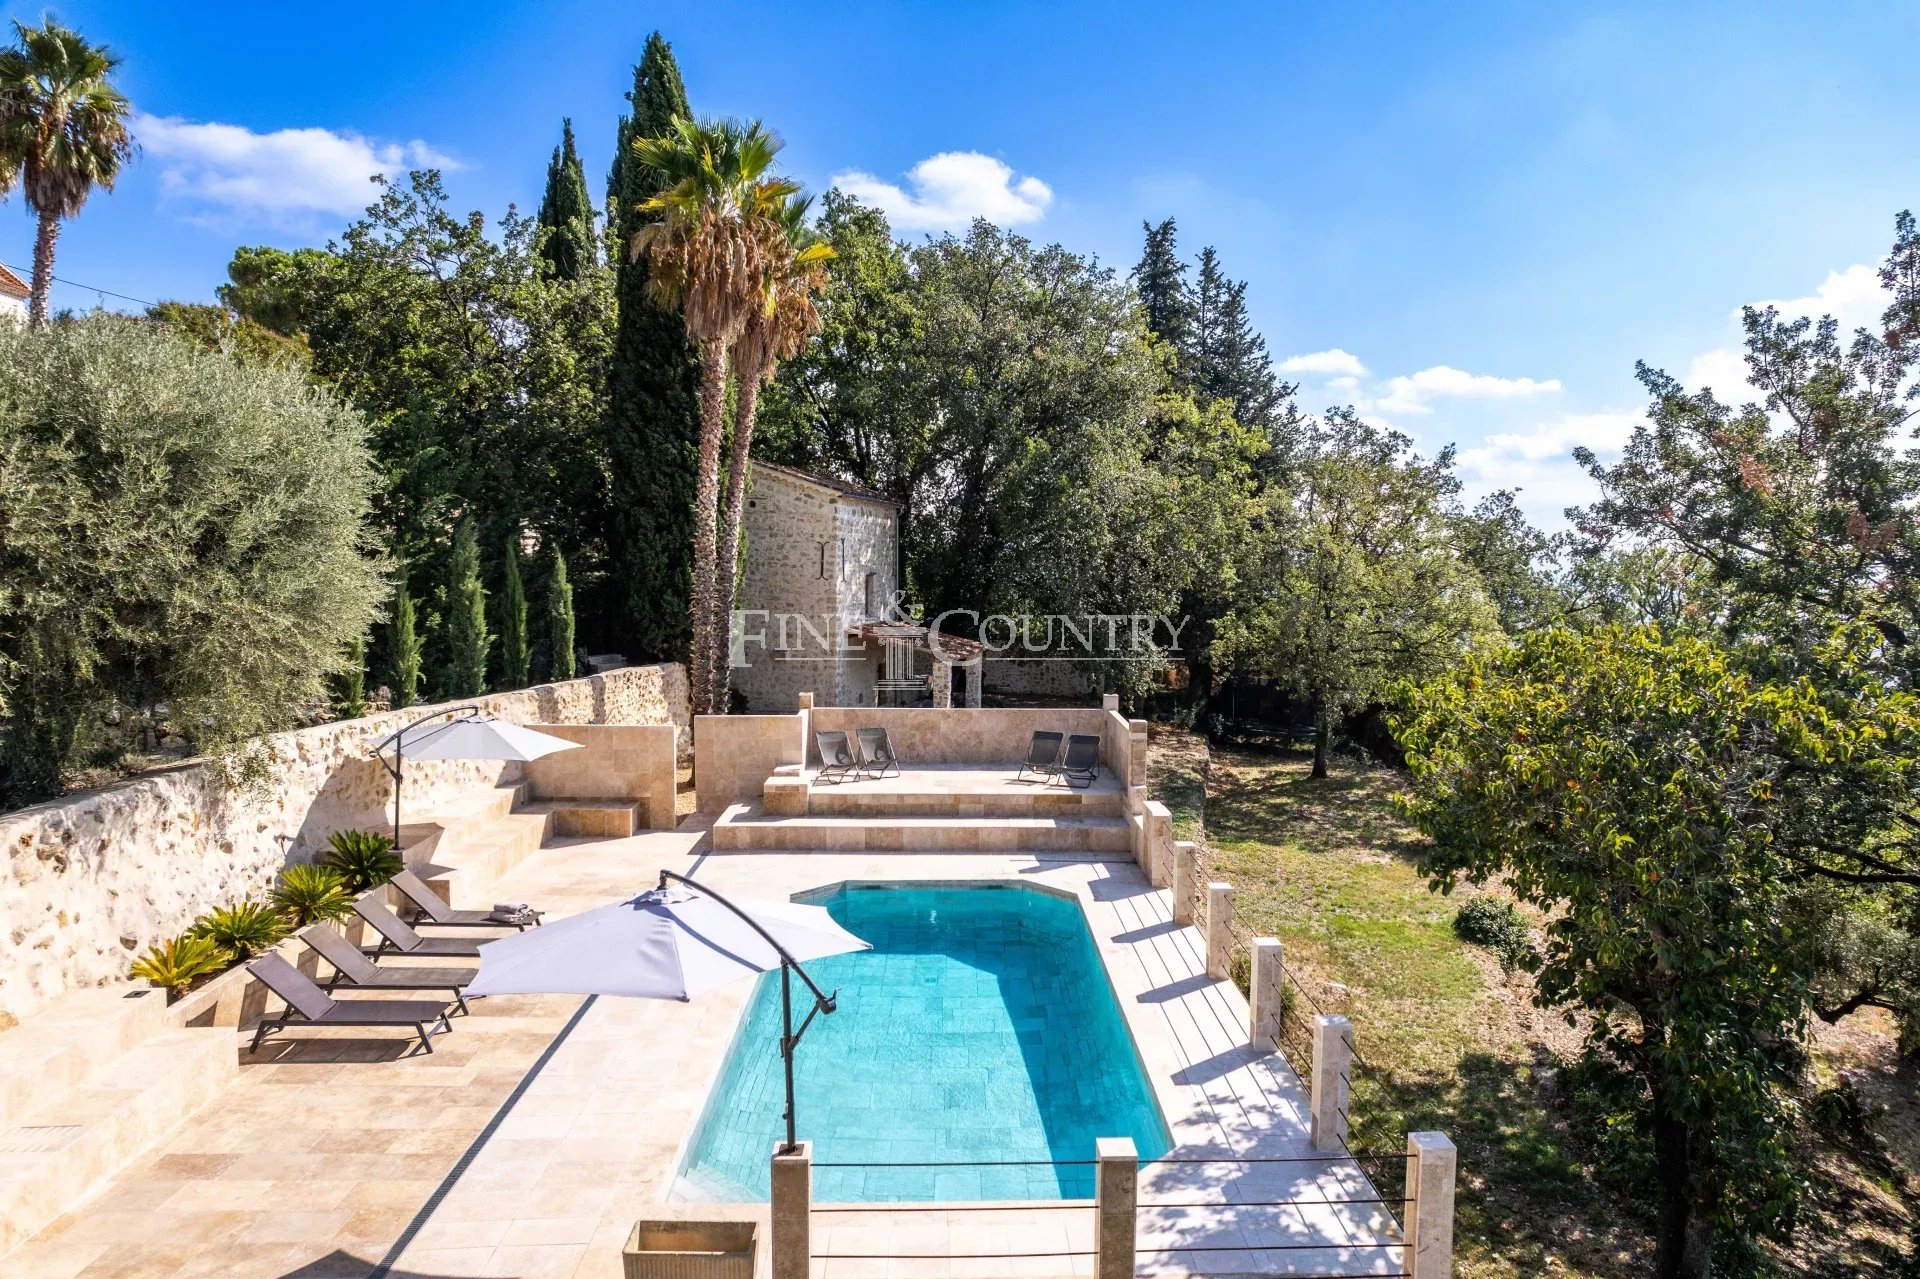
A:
92	880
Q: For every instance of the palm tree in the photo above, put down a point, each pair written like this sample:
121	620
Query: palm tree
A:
775	331
708	250
63	132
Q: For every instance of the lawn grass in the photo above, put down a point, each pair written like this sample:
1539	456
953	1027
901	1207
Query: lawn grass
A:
1454	1044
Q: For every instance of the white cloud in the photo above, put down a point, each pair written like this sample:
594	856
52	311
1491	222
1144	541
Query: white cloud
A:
950	190
1723	370
1416	393
1853	296
1336	362
287	171
1604	433
1538	463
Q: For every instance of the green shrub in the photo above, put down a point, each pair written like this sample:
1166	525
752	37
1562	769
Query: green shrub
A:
1497	924
175	965
364	858
312	895
243	929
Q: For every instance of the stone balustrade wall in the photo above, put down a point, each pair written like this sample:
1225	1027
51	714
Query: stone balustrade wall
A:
93	879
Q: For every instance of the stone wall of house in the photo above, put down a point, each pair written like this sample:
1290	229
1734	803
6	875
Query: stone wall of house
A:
1038	679
92	880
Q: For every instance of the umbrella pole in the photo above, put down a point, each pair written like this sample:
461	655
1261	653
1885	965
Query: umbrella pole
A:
786	1047
398	764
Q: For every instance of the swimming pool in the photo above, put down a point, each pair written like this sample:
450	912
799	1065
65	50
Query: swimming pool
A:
979	1027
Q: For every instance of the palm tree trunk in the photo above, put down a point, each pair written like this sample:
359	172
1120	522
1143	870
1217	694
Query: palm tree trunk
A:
42	269
706	498
726	563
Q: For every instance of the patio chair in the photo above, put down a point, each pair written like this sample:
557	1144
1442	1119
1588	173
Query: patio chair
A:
1043	757
429	908
395	933
876	752
1082	760
354	968
312	1006
837	760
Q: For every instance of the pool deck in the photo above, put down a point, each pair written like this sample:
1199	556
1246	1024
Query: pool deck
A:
536	1134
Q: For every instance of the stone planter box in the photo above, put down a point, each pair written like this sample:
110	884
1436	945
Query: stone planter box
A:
660	1249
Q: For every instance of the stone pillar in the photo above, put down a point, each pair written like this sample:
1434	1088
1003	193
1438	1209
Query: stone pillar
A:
1219	930
1186	872
942	682
1267	986
1110	702
791	1212
1157	844
806	702
1137	752
1115	1196
976	676
1429	1206
1332	1081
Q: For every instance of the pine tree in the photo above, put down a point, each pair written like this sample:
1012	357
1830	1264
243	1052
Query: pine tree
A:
467	638
403	651
1225	358
560	618
515	659
571	248
1161	279
653	411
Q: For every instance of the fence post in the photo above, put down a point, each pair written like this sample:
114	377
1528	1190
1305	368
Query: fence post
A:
1158	841
1116	1194
1219	930
1266	989
1186	868
1332	1081
791	1211
1429	1206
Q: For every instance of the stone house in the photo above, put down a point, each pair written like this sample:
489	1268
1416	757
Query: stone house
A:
820	608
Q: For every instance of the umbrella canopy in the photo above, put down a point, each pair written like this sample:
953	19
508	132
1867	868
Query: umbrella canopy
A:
669	943
481	737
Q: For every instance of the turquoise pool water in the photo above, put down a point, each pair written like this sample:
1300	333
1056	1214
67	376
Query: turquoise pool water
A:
979	1027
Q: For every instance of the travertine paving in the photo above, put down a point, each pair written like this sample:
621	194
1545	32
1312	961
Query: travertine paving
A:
532	1138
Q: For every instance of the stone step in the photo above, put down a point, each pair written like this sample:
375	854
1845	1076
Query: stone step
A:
483	857
436	833
826	800
592	818
60	1044
57	1153
746	827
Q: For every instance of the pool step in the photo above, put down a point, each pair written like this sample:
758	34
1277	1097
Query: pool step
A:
747	827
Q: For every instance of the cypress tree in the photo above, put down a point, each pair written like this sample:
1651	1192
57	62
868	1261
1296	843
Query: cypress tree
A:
1161	278
352	701
653	411
566	213
403	651
1226	358
514	656
467	638
560	617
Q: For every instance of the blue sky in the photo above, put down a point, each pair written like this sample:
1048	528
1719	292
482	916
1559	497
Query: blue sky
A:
1470	219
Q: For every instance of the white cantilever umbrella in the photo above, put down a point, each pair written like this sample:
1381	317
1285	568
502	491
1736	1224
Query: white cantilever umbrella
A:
672	942
470	735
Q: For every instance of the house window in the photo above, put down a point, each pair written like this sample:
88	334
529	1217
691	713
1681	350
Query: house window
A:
867	596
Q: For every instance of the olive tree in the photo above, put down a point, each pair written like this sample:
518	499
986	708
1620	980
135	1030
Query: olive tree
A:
1666	806
178	530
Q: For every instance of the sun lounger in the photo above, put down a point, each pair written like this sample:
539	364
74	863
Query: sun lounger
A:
354	968
1082	760
429	908
395	933
876	752
837	760
1043	757
307	1004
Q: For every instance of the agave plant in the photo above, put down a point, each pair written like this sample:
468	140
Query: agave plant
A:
364	858
175	965
243	929
312	895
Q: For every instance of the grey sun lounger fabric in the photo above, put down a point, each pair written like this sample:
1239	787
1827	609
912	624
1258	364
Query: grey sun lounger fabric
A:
393	932
1043	757
430	909
354	968
1082	760
837	760
308	1005
876	752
